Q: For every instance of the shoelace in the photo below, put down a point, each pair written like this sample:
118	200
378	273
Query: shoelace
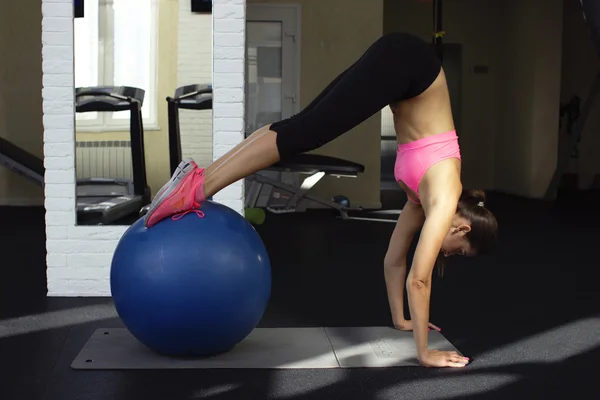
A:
195	205
199	213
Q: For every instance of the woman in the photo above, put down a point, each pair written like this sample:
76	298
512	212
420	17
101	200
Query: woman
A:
403	72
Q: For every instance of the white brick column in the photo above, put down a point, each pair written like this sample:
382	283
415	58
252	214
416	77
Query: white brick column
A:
229	43
78	257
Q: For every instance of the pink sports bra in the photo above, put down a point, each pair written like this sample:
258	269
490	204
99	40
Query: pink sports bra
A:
415	158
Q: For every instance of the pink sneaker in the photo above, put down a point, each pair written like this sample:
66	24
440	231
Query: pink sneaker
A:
185	166
178	197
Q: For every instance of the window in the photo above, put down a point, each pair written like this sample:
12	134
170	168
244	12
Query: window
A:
116	44
272	64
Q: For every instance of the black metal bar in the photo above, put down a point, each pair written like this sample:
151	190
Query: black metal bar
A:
22	157
138	159
174	134
438	29
78	9
100	93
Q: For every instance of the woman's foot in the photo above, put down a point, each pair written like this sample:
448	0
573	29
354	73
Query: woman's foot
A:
178	195
185	166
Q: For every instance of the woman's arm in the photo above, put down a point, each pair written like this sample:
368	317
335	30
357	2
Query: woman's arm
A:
418	284
409	222
440	190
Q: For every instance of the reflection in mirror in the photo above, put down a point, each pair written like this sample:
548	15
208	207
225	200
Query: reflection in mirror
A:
143	72
111	189
115	98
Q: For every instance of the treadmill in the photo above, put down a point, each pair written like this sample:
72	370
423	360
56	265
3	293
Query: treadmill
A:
189	97
102	201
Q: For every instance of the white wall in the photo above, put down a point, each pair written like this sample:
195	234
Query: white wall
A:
78	257
194	65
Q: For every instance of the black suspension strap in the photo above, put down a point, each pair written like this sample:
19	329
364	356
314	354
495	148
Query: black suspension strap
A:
438	31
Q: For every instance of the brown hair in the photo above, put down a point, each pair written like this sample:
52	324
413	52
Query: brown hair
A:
484	228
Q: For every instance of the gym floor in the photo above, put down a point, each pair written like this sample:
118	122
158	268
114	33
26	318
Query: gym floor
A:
527	316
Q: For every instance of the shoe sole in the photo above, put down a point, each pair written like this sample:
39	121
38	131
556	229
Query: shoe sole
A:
181	172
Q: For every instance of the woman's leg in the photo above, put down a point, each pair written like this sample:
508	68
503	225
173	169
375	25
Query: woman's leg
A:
264	148
357	93
260	146
377	79
265	130
256	152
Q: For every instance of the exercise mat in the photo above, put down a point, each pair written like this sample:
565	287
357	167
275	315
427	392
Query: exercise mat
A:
267	348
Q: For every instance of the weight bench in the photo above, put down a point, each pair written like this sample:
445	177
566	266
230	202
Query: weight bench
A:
279	197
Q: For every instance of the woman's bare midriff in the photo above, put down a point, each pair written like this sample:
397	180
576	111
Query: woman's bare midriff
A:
428	114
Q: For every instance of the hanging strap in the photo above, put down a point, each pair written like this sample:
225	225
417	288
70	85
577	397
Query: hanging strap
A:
438	32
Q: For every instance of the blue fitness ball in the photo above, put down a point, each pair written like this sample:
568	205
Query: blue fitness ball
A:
191	286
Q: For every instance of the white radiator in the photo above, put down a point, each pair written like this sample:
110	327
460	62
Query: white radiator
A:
103	159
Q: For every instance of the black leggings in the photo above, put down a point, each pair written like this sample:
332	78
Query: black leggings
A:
397	66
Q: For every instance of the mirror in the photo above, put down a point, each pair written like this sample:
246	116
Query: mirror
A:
128	83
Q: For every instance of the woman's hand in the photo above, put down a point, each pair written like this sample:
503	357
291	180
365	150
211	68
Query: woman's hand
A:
436	358
406	325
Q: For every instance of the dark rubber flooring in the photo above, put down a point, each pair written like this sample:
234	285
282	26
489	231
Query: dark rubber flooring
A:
528	315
